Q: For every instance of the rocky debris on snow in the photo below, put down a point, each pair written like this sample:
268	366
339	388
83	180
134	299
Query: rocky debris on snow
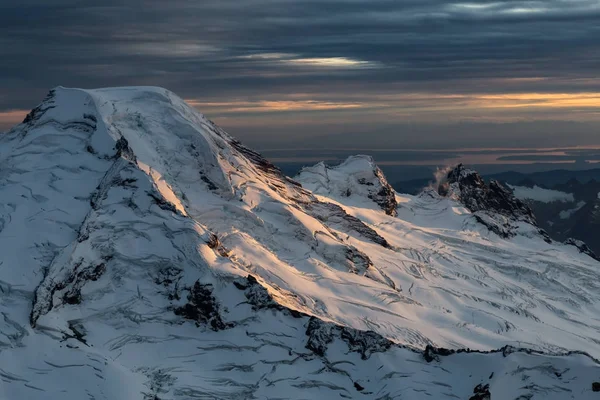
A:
259	297
334	215
203	307
72	284
481	392
321	334
214	243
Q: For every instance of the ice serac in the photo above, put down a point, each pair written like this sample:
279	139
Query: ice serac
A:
358	178
146	254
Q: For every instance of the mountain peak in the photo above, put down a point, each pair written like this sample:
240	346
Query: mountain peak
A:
467	186
356	177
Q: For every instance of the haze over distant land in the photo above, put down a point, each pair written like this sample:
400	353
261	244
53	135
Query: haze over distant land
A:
331	74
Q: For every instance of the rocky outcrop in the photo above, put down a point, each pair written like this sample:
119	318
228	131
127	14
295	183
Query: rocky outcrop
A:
582	247
493	205
333	215
385	196
35	114
260	298
321	334
481	392
467	186
202	307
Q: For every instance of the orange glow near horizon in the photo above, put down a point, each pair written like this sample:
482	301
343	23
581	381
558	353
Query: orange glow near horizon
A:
271	106
552	100
12	117
412	103
407	106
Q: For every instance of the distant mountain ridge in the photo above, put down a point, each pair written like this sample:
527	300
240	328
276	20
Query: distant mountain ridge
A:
544	179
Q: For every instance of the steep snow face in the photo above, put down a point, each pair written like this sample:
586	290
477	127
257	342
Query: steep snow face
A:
185	148
357	178
147	254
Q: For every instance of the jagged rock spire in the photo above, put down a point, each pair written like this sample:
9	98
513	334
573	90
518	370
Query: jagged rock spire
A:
467	186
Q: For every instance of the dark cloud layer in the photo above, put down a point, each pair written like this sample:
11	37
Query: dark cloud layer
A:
281	70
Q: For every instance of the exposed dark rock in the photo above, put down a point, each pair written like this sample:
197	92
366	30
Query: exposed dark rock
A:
595	386
293	182
128	182
257	159
162	203
386	196
330	213
35	114
90	149
470	188
320	334
499	226
214	243
78	333
482	392
431	353
72	297
493	205
76	279
365	342
123	149
202	307
76	282
358	387
582	247
259	297
209	183
167	276
360	261
91	117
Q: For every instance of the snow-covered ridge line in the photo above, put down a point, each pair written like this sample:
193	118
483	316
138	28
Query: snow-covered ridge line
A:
357	177
166	260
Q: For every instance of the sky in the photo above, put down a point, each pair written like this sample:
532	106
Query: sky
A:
327	74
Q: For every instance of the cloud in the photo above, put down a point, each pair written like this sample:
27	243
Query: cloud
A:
331	62
239	107
262	66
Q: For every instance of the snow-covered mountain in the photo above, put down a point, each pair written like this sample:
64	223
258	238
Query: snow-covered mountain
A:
146	254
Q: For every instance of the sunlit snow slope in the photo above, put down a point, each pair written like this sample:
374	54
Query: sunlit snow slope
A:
146	254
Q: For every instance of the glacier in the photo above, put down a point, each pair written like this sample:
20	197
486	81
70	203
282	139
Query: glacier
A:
147	254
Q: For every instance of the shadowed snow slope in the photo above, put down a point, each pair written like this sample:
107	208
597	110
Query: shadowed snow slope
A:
146	254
